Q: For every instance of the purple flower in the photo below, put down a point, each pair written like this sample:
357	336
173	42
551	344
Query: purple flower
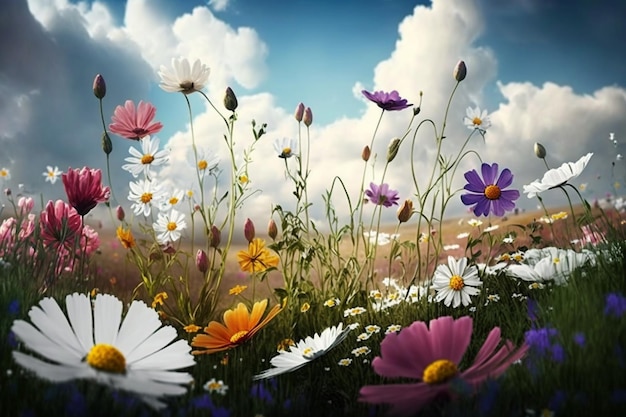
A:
539	339
579	339
382	195
615	305
558	353
387	101
489	195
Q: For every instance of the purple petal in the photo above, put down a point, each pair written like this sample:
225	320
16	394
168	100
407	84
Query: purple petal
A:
482	207
506	179
475	183
509	194
489	173
470	199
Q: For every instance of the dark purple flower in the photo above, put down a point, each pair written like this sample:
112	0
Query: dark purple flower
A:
558	353
382	195
615	305
387	101
539	339
579	339
14	307
532	308
489	195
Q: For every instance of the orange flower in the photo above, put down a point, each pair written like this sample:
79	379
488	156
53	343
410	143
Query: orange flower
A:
191	328
126	237
239	326
257	258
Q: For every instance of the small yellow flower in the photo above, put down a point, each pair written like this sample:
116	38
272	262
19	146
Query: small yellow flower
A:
237	289
559	216
125	237
243	179
332	302
159	299
305	307
257	258
192	328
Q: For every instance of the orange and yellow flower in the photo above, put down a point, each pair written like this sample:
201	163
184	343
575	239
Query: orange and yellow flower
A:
125	237
239	326
257	258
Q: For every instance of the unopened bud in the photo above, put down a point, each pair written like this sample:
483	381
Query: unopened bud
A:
299	112
405	211
460	71
230	100
540	151
107	146
393	149
367	152
119	212
308	117
215	237
248	230
202	262
8	192
272	230
99	87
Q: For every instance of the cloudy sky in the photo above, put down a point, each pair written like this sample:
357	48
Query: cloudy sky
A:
548	71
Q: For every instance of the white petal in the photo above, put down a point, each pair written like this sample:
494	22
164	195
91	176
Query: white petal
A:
155	342
53	324
174	356
107	317
51	372
38	343
139	323
79	313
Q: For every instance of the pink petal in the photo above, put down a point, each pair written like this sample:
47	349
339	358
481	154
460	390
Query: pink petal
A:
405	399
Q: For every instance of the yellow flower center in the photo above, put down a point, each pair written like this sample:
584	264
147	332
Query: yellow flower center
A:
147	159
106	358
243	179
477	121
171	226
173	200
308	353
456	283
214	386
236	338
202	165
287	151
439	371
51	174
146	198
556	260
492	192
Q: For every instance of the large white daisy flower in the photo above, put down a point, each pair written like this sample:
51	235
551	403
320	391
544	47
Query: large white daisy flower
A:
456	282
182	77
557	176
133	354
169	226
476	119
149	157
305	351
145	194
550	264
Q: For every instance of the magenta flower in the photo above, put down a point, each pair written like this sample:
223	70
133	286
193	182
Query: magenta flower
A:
489	195
387	101
132	123
382	195
432	356
60	224
84	189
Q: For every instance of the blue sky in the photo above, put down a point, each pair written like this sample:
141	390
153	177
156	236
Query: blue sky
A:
547	70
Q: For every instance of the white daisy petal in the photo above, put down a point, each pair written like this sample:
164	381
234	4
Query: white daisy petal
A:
79	313
107	314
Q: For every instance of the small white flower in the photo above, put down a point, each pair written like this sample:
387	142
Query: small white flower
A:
5	174
462	235
381	238
508	239
363	336
361	351
475	119
372	328
171	199
52	174
169	226
145	194
456	282
354	311
332	302
285	147
491	228
474	222
149	157
344	362
453	246
557	176
207	162
218	387
394	328
182	77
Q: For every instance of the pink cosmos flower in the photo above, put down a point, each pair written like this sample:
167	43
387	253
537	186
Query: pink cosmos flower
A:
132	123
432	357
60	224
84	189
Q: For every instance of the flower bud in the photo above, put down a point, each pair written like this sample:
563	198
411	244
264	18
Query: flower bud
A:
272	230
366	153
308	117
405	211
393	149
99	87
460	71
299	112
202	262
215	237
107	146
119	212
540	151
248	230
230	100
8	192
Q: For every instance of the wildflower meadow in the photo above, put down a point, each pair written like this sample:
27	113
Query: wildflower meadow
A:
509	313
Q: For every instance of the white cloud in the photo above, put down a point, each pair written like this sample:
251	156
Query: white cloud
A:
219	5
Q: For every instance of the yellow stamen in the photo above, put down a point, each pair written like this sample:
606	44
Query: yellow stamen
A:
146	198
236	338
171	226
492	192
439	371
477	121
173	200
202	165
287	151
147	159
456	283
106	358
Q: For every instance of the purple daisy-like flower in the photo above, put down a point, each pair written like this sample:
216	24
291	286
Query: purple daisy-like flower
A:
489	195
387	101
382	195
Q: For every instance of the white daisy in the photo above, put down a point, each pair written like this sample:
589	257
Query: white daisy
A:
169	225
218	387
305	351
5	174
52	174
184	78
172	199
557	176
285	147
149	157
550	264
475	119
380	239
207	162
133	354
145	194
456	282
